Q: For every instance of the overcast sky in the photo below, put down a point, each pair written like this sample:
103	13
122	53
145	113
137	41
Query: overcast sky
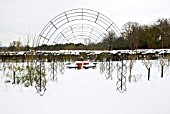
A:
20	18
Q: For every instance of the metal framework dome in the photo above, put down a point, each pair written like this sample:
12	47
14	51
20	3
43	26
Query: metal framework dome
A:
77	26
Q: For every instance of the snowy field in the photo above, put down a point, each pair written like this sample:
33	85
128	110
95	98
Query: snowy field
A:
86	91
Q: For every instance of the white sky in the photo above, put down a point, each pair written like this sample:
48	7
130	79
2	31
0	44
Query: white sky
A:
20	18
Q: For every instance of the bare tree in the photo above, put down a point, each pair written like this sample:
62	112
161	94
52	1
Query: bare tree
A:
163	62
109	40
131	64
130	32
148	65
15	46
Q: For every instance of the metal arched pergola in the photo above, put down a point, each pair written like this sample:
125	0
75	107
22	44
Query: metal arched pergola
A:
74	25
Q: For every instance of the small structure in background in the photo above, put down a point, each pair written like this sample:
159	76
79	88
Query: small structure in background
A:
81	64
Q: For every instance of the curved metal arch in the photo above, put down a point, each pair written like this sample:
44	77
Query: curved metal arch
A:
80	33
79	36
97	16
73	15
87	33
82	25
48	39
45	37
73	29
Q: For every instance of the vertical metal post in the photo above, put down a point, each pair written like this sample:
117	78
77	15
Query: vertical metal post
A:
121	74
40	71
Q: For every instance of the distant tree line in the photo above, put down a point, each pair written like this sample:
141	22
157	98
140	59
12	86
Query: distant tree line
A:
134	36
156	35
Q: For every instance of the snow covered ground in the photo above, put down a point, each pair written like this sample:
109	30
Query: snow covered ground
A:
88	92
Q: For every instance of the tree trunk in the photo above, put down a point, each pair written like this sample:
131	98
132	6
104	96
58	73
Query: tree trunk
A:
30	76
13	77
130	75
162	71
149	73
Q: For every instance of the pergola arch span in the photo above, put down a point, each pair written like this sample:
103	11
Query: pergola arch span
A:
97	21
81	28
